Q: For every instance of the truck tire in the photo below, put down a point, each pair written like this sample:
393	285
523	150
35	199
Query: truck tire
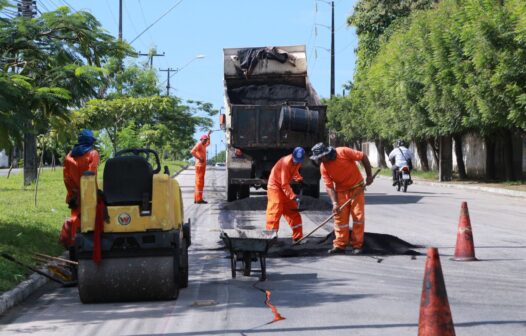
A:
244	191
231	192
231	189
312	190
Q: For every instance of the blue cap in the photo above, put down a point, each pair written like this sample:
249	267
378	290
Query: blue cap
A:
86	135
298	154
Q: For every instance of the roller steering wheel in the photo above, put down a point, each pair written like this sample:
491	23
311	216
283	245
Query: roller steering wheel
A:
138	151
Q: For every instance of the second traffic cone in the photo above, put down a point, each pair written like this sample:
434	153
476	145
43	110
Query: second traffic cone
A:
464	249
435	316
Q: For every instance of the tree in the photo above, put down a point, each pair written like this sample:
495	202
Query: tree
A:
60	55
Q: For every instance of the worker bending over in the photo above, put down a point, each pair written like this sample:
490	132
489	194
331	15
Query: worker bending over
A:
281	198
199	153
343	180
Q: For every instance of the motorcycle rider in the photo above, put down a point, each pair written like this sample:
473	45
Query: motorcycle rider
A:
399	157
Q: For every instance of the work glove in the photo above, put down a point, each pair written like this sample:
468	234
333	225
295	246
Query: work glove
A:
298	201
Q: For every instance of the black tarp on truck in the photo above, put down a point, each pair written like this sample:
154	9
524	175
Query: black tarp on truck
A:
270	108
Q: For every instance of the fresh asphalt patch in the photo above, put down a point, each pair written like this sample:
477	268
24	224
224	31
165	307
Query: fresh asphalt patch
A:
374	244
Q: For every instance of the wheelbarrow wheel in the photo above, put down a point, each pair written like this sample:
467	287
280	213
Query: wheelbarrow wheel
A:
263	262
233	260
247	263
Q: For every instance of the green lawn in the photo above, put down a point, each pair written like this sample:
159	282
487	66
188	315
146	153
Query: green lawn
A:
26	229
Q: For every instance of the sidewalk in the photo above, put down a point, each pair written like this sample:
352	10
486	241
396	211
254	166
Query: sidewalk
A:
496	188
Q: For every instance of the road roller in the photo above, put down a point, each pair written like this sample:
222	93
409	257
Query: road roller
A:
132	244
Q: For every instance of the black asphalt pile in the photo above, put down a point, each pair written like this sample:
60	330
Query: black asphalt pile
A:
260	203
374	244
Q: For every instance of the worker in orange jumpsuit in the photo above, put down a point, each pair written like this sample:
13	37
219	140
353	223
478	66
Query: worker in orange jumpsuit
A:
199	153
343	180
82	158
281	198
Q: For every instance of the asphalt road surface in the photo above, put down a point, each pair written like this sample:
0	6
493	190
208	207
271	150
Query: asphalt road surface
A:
315	293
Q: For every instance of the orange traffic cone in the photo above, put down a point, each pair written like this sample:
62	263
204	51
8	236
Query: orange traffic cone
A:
435	315
464	249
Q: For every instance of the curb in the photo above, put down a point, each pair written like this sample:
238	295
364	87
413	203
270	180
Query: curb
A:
178	172
506	192
23	290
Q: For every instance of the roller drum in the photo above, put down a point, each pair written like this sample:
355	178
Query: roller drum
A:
128	279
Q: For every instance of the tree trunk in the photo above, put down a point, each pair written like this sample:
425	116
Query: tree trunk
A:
507	153
435	149
381	153
460	157
517	143
30	158
421	148
445	167
490	157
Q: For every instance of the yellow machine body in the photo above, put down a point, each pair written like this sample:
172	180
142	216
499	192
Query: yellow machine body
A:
166	208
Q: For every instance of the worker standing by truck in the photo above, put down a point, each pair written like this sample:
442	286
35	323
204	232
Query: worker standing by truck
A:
199	153
282	201
343	181
82	158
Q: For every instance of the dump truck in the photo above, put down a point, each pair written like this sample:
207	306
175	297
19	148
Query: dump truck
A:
135	226
270	108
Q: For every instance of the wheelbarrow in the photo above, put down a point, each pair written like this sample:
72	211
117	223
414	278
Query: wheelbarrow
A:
247	246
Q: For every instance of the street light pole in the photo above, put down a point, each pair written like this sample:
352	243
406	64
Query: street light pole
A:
176	70
332	51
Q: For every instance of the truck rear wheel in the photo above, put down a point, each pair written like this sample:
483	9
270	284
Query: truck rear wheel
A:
231	192
231	189
244	191
312	190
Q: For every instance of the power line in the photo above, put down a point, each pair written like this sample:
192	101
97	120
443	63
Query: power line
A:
145	22
159	19
67	4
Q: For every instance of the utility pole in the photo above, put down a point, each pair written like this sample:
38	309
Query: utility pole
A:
120	20
151	56
27	8
216	153
168	80
332	50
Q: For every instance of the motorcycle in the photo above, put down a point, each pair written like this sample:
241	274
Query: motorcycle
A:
404	179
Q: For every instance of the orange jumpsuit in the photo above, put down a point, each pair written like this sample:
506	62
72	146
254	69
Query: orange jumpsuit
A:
199	152
342	175
74	167
281	197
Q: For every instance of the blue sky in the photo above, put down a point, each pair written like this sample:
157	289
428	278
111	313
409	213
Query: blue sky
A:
205	27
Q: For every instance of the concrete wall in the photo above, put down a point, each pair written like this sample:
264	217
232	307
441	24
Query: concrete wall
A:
4	159
473	151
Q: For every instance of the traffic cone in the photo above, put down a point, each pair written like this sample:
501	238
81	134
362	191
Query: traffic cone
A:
435	315
464	249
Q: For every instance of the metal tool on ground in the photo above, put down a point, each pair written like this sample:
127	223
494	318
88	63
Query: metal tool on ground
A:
247	246
61	281
360	188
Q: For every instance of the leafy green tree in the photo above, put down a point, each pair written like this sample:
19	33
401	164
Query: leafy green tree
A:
60	54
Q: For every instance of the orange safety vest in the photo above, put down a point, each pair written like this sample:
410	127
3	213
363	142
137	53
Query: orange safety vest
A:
74	167
342	173
199	152
282	173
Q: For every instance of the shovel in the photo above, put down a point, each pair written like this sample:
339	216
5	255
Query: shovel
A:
64	283
299	209
357	191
